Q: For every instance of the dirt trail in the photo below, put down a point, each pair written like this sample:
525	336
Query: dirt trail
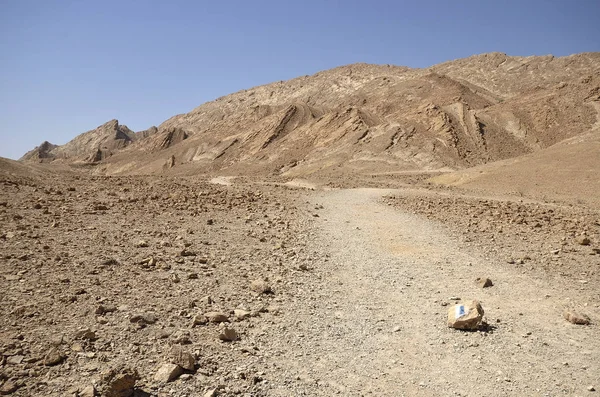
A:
374	323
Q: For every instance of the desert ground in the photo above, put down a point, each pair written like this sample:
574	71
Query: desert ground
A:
324	236
329	291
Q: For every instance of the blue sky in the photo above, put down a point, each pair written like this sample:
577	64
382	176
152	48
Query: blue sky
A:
69	66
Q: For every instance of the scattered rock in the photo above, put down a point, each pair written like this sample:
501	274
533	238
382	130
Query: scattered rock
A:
53	357
168	373
483	282
261	287
228	335
118	382
576	318
211	393
103	309
88	391
583	240
184	359
200	320
466	315
591	388
15	360
216	317
241	314
85	333
185	252
144	318
141	244
8	387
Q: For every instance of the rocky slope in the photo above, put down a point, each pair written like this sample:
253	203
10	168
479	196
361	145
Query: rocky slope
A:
362	118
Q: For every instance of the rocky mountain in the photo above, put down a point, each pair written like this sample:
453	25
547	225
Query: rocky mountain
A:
363	118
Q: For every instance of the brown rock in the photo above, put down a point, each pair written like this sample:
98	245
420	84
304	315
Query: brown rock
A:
8	387
85	333
53	357
483	282
211	393
184	359
576	318
261	287
241	314
466	315
199	320
216	317
143	318
88	391
583	240
118	382
103	309
228	335
168	373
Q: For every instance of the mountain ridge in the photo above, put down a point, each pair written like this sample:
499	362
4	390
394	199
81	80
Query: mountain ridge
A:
454	115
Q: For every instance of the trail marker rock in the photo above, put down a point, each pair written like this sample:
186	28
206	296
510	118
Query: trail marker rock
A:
466	315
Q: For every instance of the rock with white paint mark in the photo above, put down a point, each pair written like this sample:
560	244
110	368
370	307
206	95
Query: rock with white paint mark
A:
466	315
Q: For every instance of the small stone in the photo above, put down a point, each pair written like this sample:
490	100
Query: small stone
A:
85	333
261	287
583	240
53	357
241	314
88	391
143	318
184	359
77	347
216	317
211	393
200	320
483	282
303	267
576	318
118	382
103	309
168	373
228	335
141	244
15	360
8	387
187	253
192	276
466	315
591	388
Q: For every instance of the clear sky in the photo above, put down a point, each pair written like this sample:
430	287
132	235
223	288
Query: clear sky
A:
68	66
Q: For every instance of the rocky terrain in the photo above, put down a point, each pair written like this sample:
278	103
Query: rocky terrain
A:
99	272
317	237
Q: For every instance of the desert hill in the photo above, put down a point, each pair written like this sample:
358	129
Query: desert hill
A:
362	118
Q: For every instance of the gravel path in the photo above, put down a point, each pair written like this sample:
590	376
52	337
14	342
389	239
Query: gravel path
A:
373	321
